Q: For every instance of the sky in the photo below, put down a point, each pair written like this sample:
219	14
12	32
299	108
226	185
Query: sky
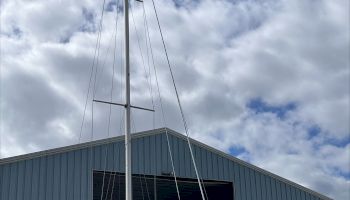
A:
266	81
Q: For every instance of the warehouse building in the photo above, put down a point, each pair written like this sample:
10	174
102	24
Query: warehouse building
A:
95	170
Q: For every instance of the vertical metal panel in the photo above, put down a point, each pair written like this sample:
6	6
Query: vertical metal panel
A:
215	166
220	168
153	159
146	154
283	191
278	190
252	184
180	149
13	181
42	178
5	180
159	153
165	153
1	185
226	169
243	183
21	180
188	165
77	172
263	187
56	177
64	175
236	181
84	174
111	158
248	184
35	179
210	164
135	154
258	185
203	163
268	187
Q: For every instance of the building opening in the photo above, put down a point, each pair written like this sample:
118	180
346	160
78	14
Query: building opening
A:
146	187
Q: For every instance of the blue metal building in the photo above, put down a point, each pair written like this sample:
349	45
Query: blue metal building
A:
75	172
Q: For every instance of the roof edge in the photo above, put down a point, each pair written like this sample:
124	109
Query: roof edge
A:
246	164
78	146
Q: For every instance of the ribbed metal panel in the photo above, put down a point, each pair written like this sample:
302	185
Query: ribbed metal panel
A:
68	175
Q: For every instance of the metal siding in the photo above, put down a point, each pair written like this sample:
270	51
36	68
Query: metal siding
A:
244	190
236	181
110	160
248	183
146	154
268	187
84	174
182	164
188	165
215	166
220	168
70	169
159	154
153	159
56	177
253	185
68	175
63	175
278	190
77	172
13	180
135	153
204	164
258	185
21	180
174	155
288	192
263	187
1	185
35	179
210	164
165	153
5	181
227	170
198	159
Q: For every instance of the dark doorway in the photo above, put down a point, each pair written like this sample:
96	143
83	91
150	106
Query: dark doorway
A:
146	187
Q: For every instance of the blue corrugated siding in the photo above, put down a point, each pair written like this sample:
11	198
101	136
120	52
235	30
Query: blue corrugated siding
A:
68	175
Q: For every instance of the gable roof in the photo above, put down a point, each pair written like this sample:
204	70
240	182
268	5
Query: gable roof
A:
149	133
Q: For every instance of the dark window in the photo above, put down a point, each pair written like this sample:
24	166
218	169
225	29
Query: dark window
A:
147	187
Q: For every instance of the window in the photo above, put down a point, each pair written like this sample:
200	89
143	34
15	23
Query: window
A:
157	187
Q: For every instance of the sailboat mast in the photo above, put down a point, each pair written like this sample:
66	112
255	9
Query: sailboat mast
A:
128	177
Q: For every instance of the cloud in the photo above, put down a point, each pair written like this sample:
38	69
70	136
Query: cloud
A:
247	72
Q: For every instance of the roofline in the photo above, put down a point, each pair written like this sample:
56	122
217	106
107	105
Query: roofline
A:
155	132
78	146
246	164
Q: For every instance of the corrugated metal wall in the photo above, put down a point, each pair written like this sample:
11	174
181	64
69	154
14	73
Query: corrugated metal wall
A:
68	175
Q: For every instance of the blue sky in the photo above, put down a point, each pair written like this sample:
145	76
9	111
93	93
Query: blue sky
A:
267	81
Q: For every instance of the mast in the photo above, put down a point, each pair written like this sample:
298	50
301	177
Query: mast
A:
128	177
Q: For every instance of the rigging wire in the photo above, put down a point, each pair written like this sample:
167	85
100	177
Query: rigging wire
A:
143	62
97	47
161	104
110	106
96	54
179	103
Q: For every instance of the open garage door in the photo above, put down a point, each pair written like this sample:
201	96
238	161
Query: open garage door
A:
157	187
